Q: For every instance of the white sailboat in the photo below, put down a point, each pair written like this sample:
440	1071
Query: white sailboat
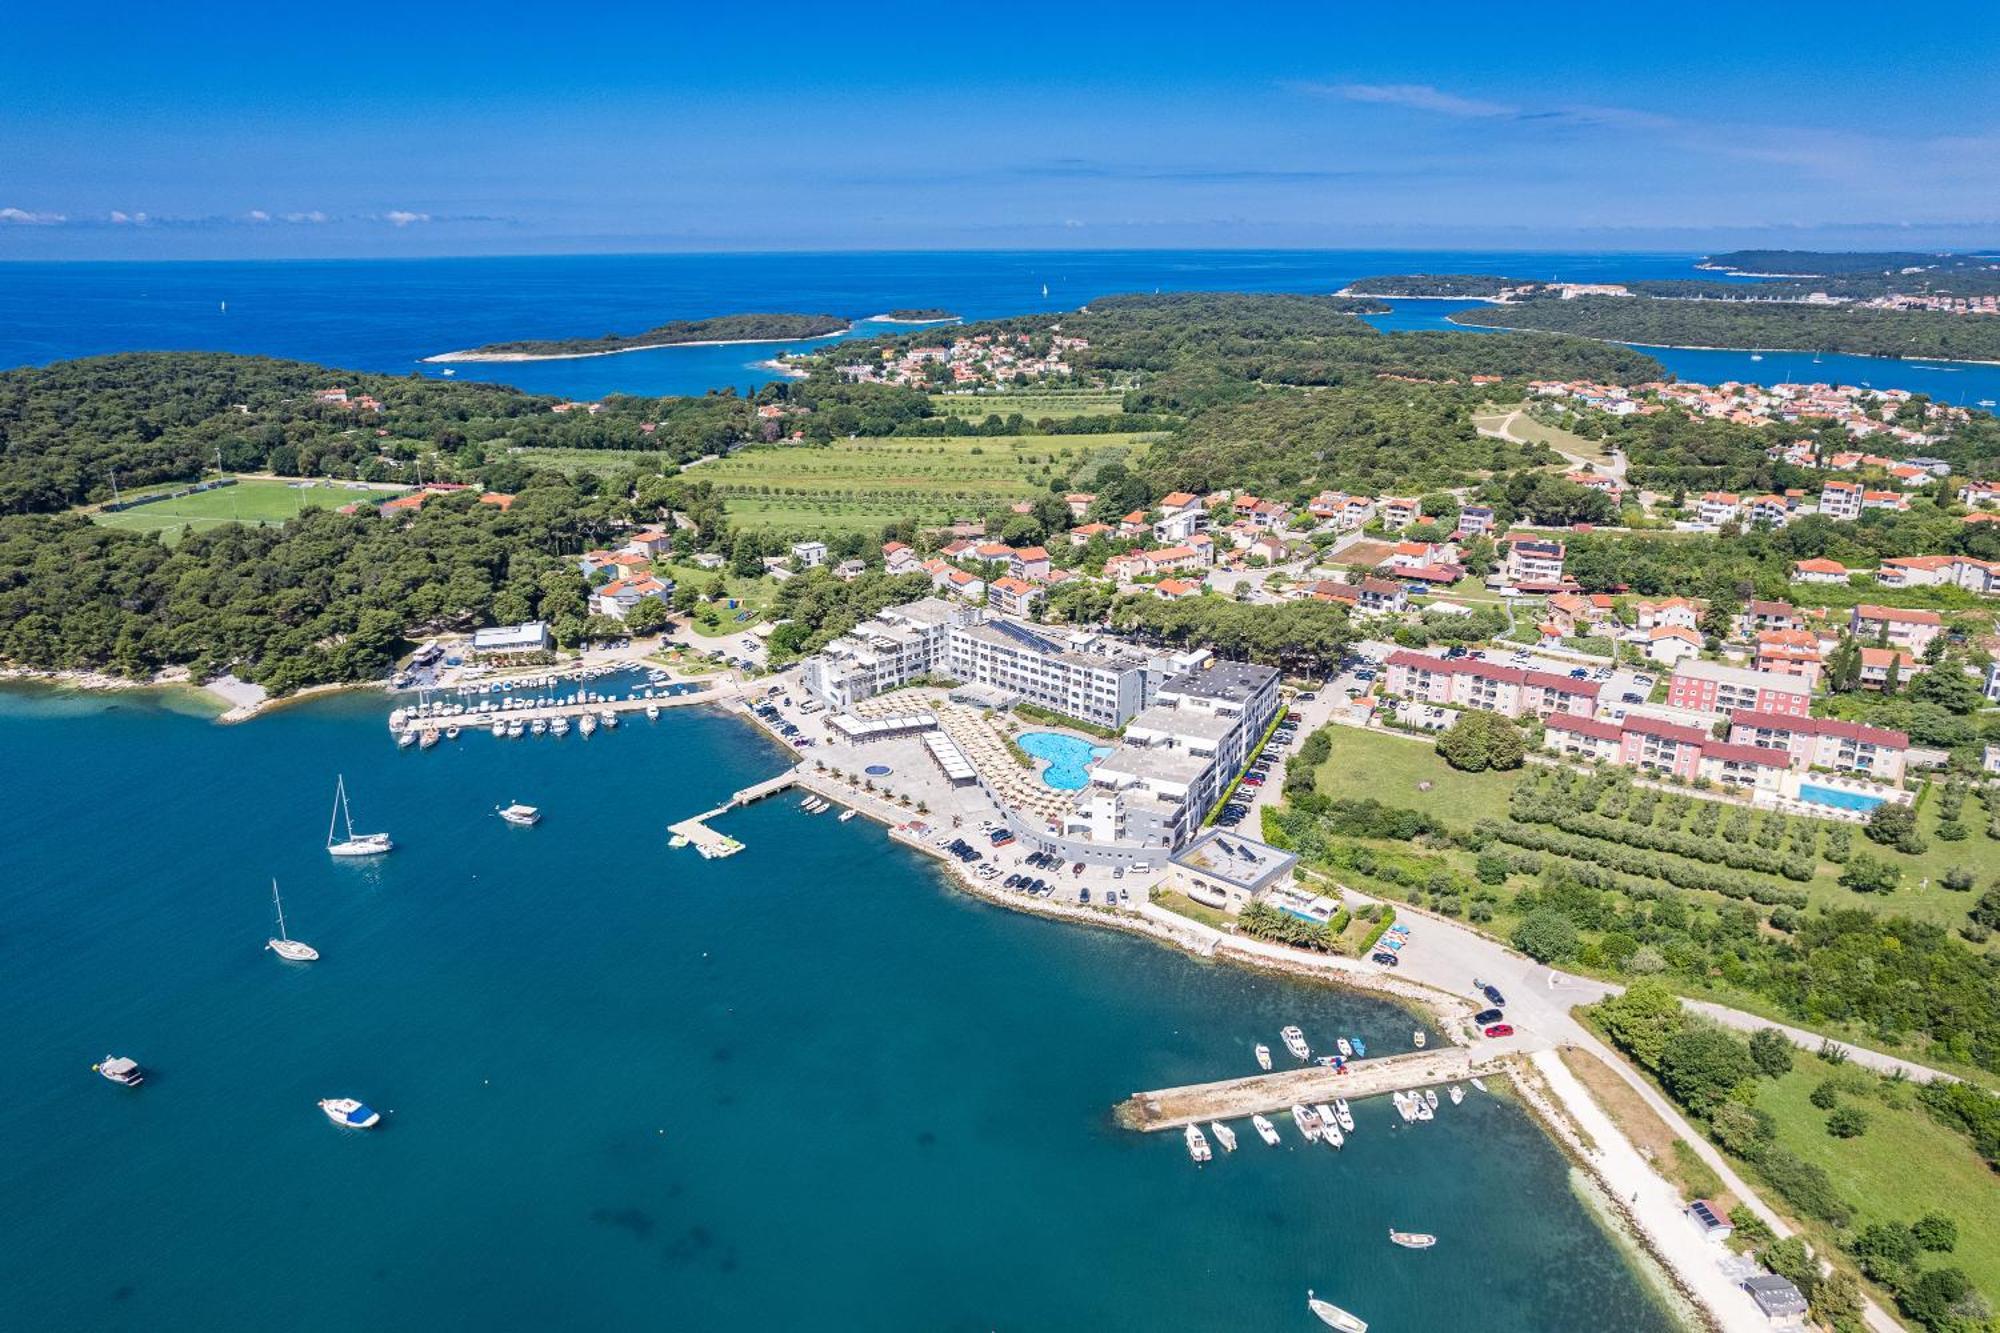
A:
296	951
354	844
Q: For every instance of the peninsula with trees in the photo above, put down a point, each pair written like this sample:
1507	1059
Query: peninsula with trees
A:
764	328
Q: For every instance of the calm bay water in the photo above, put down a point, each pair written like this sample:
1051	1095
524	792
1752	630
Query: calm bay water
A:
628	1088
386	315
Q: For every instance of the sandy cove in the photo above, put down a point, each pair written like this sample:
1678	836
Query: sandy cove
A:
473	354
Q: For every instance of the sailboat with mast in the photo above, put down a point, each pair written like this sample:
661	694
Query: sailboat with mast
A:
354	844
295	951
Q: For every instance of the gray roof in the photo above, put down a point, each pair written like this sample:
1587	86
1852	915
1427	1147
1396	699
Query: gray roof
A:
1183	722
1234	682
1775	1296
1244	862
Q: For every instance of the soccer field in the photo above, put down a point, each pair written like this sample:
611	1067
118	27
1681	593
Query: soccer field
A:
249	501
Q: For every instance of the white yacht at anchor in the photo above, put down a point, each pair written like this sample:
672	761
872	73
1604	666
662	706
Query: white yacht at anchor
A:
291	950
1295	1042
354	844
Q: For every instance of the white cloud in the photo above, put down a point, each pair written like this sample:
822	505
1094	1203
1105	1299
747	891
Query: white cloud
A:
1416	96
314	218
129	219
22	217
403	218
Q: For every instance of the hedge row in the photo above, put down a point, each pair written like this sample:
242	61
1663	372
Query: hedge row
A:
1680	873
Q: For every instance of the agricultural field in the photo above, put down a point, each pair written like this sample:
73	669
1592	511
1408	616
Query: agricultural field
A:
1033	406
254	500
860	485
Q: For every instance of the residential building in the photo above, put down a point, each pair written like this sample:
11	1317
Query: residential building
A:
849	570
616	599
1674	613
1398	514
1671	644
1718	507
1533	562
1715	687
1029	562
1912	631
1013	597
1468	682
1824	742
1878	663
898	558
1790	652
1840	500
806	555
1660	746
1474	519
1819	571
530	637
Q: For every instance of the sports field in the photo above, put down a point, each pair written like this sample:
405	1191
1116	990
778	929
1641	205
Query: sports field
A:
251	500
862	484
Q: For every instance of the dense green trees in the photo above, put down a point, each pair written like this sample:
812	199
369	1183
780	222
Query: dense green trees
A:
1296	636
722	328
1480	740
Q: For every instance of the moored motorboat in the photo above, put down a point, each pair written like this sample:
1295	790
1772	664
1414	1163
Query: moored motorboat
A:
1344	1113
349	1113
1417	1039
1341	1044
1360	1048
451	733
609	719
428	738
1431	1098
1420	1108
1333	1316
1224	1135
1412	1240
587	724
1265	1129
1478	1082
1263	1056
527	816
538	727
1295	1042
652	712
1457	1094
1329	1125
121	1070
559	726
1307	1122
1197	1144
846	815
407	739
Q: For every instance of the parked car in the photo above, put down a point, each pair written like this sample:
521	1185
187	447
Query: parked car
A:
1487	1016
1492	993
1500	1030
1384	957
1083	895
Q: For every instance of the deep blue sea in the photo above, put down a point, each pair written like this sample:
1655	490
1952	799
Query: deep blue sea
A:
626	1088
386	315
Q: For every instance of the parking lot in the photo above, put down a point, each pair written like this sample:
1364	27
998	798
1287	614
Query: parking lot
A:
1266	777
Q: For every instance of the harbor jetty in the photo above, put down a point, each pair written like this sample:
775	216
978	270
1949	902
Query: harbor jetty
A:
696	833
1262	1094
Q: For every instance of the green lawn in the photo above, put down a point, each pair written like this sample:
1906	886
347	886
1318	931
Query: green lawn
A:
1921	894
1388	768
248	501
1905	1164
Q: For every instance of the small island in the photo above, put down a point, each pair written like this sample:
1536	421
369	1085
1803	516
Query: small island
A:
915	315
680	333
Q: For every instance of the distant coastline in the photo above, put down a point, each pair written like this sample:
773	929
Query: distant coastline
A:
896	317
474	354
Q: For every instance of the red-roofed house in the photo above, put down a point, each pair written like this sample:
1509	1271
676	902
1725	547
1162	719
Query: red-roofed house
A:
1012	596
1824	742
1471	683
1819	571
1912	631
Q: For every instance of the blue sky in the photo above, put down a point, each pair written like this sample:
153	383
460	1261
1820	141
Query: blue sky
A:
221	130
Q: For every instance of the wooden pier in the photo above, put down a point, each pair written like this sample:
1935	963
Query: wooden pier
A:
574	710
1263	1094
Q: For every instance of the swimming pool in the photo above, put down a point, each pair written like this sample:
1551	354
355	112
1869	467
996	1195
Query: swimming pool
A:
1845	800
1069	759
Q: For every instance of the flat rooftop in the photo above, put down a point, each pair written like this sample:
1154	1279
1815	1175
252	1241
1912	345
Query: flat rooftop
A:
1248	864
1232	682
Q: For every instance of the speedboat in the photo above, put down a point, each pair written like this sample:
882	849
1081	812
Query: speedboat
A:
1420	1108
559	726
1478	1082
1329	1125
1457	1094
1295	1042
1263	1057
1333	1316
609	719
524	815
1307	1122
1224	1135
1265	1129
121	1070
846	815
1360	1048
1340	1044
539	727
652	712
1412	1240
451	733
1431	1098
586	724
1406	1105
407	739
1197	1145
350	1114
1345	1113
1417	1038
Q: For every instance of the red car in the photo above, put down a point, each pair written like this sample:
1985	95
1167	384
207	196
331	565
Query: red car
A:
1500	1030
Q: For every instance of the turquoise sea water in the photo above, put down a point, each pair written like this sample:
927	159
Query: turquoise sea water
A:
627	1088
386	315
1069	759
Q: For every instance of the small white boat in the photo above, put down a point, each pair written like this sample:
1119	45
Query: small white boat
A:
1329	1125
1295	1042
1265	1129
652	712
1412	1240
121	1070
1478	1082
296	951
350	1114
1431	1098
1333	1316
524	815
515	730
609	719
1457	1094
1406	1106
846	815
1224	1135
1307	1122
1340	1044
586	724
1197	1145
1420	1108
451	733
559	726
1417	1038
354	844
539	727
407	739
1344	1113
1263	1056
428	738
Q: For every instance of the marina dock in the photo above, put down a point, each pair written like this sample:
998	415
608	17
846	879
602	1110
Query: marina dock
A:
1263	1094
532	711
695	831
